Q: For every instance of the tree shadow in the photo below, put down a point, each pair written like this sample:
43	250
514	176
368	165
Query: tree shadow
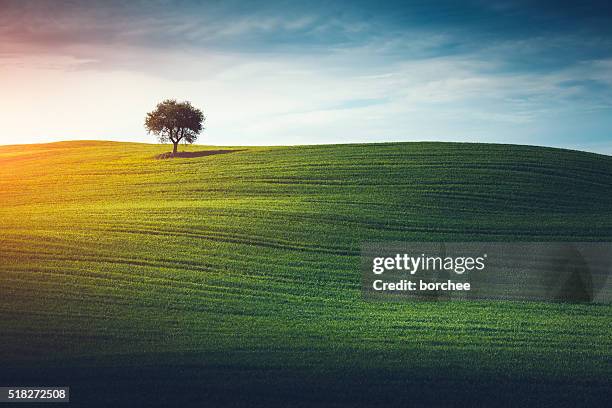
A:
200	153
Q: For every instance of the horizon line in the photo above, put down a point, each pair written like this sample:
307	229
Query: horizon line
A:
103	141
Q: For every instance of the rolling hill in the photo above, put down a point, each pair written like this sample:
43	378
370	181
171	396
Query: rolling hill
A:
237	273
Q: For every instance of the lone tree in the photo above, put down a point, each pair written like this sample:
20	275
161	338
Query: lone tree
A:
175	121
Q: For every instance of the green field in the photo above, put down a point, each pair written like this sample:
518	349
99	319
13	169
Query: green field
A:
237	274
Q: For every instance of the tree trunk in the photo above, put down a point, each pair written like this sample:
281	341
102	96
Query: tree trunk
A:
175	148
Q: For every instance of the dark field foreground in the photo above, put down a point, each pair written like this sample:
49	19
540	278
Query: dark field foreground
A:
233	279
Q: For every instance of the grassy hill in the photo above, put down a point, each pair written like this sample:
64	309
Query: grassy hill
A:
237	274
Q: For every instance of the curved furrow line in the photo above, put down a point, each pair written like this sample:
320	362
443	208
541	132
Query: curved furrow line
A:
243	240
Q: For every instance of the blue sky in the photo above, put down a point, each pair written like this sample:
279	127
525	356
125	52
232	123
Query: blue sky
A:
280	72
